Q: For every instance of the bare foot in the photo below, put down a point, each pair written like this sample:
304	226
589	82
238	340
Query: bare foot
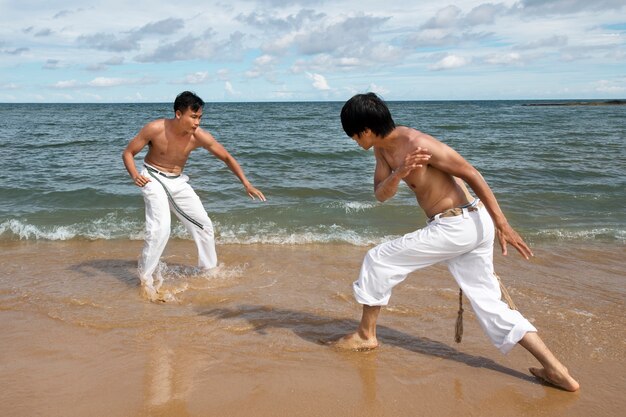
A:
157	296
158	284
355	342
558	379
150	292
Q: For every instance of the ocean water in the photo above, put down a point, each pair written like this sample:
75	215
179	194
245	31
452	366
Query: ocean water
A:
558	172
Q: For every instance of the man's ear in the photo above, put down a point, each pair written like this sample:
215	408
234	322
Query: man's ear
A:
178	114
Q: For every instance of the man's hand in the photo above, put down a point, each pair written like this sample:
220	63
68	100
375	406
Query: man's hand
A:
506	234
253	192
413	160
140	180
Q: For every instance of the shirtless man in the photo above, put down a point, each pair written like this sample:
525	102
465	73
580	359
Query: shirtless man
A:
165	187
460	233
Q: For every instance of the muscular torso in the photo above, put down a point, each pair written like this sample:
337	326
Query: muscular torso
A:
167	150
434	189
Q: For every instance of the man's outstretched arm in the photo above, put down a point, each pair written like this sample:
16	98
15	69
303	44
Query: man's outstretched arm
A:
216	148
448	160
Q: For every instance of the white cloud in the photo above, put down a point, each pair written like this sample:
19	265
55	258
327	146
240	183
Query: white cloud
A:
263	66
101	82
114	60
510	58
450	62
610	87
130	40
52	64
484	14
319	81
380	90
339	37
43	32
554	41
278	48
229	89
66	84
568	6
264	60
96	67
197	77
162	27
114	82
445	18
223	74
271	22
94	97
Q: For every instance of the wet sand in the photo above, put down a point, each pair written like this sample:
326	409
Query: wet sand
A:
79	340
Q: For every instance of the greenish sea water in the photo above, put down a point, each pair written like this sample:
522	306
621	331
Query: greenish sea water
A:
558	172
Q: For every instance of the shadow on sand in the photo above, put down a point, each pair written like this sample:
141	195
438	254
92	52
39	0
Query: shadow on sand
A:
323	330
123	270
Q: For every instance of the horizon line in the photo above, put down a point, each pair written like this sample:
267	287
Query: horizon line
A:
556	100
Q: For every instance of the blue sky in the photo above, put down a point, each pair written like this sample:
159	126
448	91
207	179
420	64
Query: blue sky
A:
292	50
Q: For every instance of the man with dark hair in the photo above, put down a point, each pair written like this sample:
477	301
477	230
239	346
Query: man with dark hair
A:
187	99
165	187
460	233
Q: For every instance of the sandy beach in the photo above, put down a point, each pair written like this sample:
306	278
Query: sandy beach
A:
78	339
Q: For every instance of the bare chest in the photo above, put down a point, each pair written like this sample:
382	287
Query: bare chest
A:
172	147
417	179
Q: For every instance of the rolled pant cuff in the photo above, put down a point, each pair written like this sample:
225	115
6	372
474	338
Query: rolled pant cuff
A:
364	298
515	335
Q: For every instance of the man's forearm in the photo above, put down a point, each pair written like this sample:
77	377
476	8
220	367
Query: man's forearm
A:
387	188
129	163
478	184
236	169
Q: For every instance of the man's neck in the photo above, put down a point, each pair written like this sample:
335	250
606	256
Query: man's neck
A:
389	142
177	129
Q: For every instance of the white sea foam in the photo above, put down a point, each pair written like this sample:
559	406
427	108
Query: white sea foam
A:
112	227
183	271
352	206
107	228
271	234
592	234
25	231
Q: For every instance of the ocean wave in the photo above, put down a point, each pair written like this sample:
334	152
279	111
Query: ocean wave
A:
352	206
105	228
65	143
23	231
270	234
593	234
112	226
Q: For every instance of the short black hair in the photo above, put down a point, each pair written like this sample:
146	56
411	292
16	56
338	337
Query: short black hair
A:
186	100
366	111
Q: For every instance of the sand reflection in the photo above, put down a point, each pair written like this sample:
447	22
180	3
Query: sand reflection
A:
169	379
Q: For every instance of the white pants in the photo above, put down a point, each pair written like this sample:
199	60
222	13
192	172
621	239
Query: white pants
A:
465	244
187	206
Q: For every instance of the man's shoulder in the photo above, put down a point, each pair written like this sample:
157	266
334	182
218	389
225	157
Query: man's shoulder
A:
155	125
418	137
153	129
203	136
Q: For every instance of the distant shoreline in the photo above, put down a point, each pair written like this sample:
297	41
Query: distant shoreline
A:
581	103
